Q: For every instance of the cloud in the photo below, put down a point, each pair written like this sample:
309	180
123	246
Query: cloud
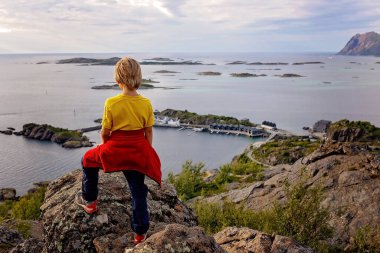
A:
182	25
5	30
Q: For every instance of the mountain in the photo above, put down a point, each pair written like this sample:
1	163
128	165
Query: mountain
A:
363	44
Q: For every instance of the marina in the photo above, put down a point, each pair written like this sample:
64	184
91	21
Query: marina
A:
226	129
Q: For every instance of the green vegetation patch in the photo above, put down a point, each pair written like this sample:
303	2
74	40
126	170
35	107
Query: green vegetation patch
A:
19	213
285	151
300	218
367	239
196	119
190	182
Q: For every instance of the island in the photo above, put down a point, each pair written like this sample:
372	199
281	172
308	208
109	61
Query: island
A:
246	75
209	73
363	44
308	62
67	138
145	84
268	63
159	59
173	63
289	75
165	72
116	87
113	60
90	61
256	63
237	63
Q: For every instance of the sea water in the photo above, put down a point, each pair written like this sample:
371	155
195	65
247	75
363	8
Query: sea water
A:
61	95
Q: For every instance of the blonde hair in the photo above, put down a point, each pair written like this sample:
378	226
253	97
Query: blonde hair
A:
128	72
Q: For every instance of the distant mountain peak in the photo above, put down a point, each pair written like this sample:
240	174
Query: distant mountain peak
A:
363	44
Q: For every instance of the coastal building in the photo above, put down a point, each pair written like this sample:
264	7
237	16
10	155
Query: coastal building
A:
269	125
166	121
237	129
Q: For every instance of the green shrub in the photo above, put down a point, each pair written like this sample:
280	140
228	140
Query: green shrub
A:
17	214
28	207
5	209
189	182
23	227
367	239
301	217
213	217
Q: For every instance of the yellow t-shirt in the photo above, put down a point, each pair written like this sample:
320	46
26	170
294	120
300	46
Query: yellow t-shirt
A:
123	112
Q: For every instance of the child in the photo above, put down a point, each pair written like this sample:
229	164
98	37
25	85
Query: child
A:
126	146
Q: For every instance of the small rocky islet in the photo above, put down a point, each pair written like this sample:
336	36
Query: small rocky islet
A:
43	132
209	73
246	75
145	84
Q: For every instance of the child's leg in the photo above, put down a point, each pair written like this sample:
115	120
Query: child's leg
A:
140	219
90	183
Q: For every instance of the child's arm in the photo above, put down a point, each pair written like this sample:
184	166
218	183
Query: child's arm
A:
149	134
105	134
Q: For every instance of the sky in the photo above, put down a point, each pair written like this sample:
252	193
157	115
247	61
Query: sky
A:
87	26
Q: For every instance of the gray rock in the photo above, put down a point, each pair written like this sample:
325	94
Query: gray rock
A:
31	245
72	230
9	237
180	239
6	132
7	194
245	240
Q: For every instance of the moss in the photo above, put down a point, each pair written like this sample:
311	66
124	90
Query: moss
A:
68	134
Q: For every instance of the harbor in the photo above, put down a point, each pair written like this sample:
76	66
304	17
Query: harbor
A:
225	129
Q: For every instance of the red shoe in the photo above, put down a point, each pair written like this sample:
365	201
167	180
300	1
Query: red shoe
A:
139	238
88	207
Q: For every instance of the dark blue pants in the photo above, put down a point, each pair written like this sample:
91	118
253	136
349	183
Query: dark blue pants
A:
139	191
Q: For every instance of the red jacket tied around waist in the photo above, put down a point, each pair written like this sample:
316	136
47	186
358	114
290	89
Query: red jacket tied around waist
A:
125	150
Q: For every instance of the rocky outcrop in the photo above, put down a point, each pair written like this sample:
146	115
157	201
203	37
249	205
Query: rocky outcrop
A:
30	245
353	131
245	240
6	132
68	138
72	230
178	238
349	174
363	44
7	194
9	238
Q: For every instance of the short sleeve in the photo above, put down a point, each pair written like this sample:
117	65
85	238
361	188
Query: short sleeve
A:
107	117
150	121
